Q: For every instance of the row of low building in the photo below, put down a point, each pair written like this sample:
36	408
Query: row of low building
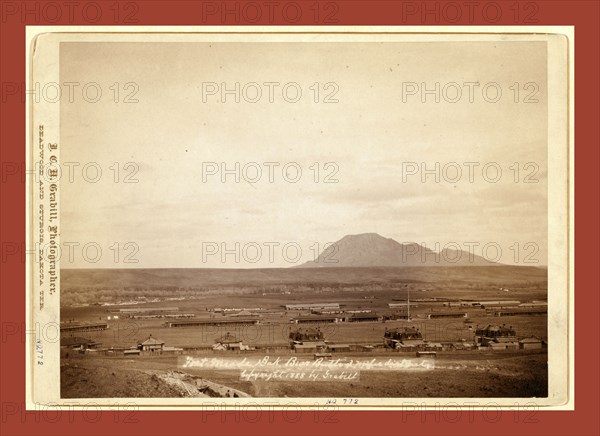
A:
78	343
147	309
521	312
491	337
438	315
203	322
83	327
345	317
230	342
405	345
163	315
411	339
339	317
401	305
237	309
497	337
312	306
312	340
495	304
149	346
245	319
474	304
155	346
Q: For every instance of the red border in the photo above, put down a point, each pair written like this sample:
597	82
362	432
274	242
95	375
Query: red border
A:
584	15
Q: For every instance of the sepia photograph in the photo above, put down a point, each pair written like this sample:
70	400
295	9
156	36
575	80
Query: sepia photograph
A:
361	218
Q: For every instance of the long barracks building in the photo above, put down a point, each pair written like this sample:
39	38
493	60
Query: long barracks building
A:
212	322
76	328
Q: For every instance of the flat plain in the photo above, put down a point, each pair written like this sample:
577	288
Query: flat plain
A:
112	296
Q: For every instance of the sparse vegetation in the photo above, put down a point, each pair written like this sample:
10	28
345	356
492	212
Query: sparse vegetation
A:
90	296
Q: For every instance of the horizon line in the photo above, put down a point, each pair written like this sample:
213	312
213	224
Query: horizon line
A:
495	265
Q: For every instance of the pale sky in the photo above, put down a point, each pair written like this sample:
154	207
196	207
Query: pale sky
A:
171	213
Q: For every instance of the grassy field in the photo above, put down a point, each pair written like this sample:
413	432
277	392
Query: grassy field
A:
462	374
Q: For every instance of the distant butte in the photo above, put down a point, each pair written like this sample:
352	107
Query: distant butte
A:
374	250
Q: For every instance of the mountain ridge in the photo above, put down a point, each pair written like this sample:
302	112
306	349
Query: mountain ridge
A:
374	250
